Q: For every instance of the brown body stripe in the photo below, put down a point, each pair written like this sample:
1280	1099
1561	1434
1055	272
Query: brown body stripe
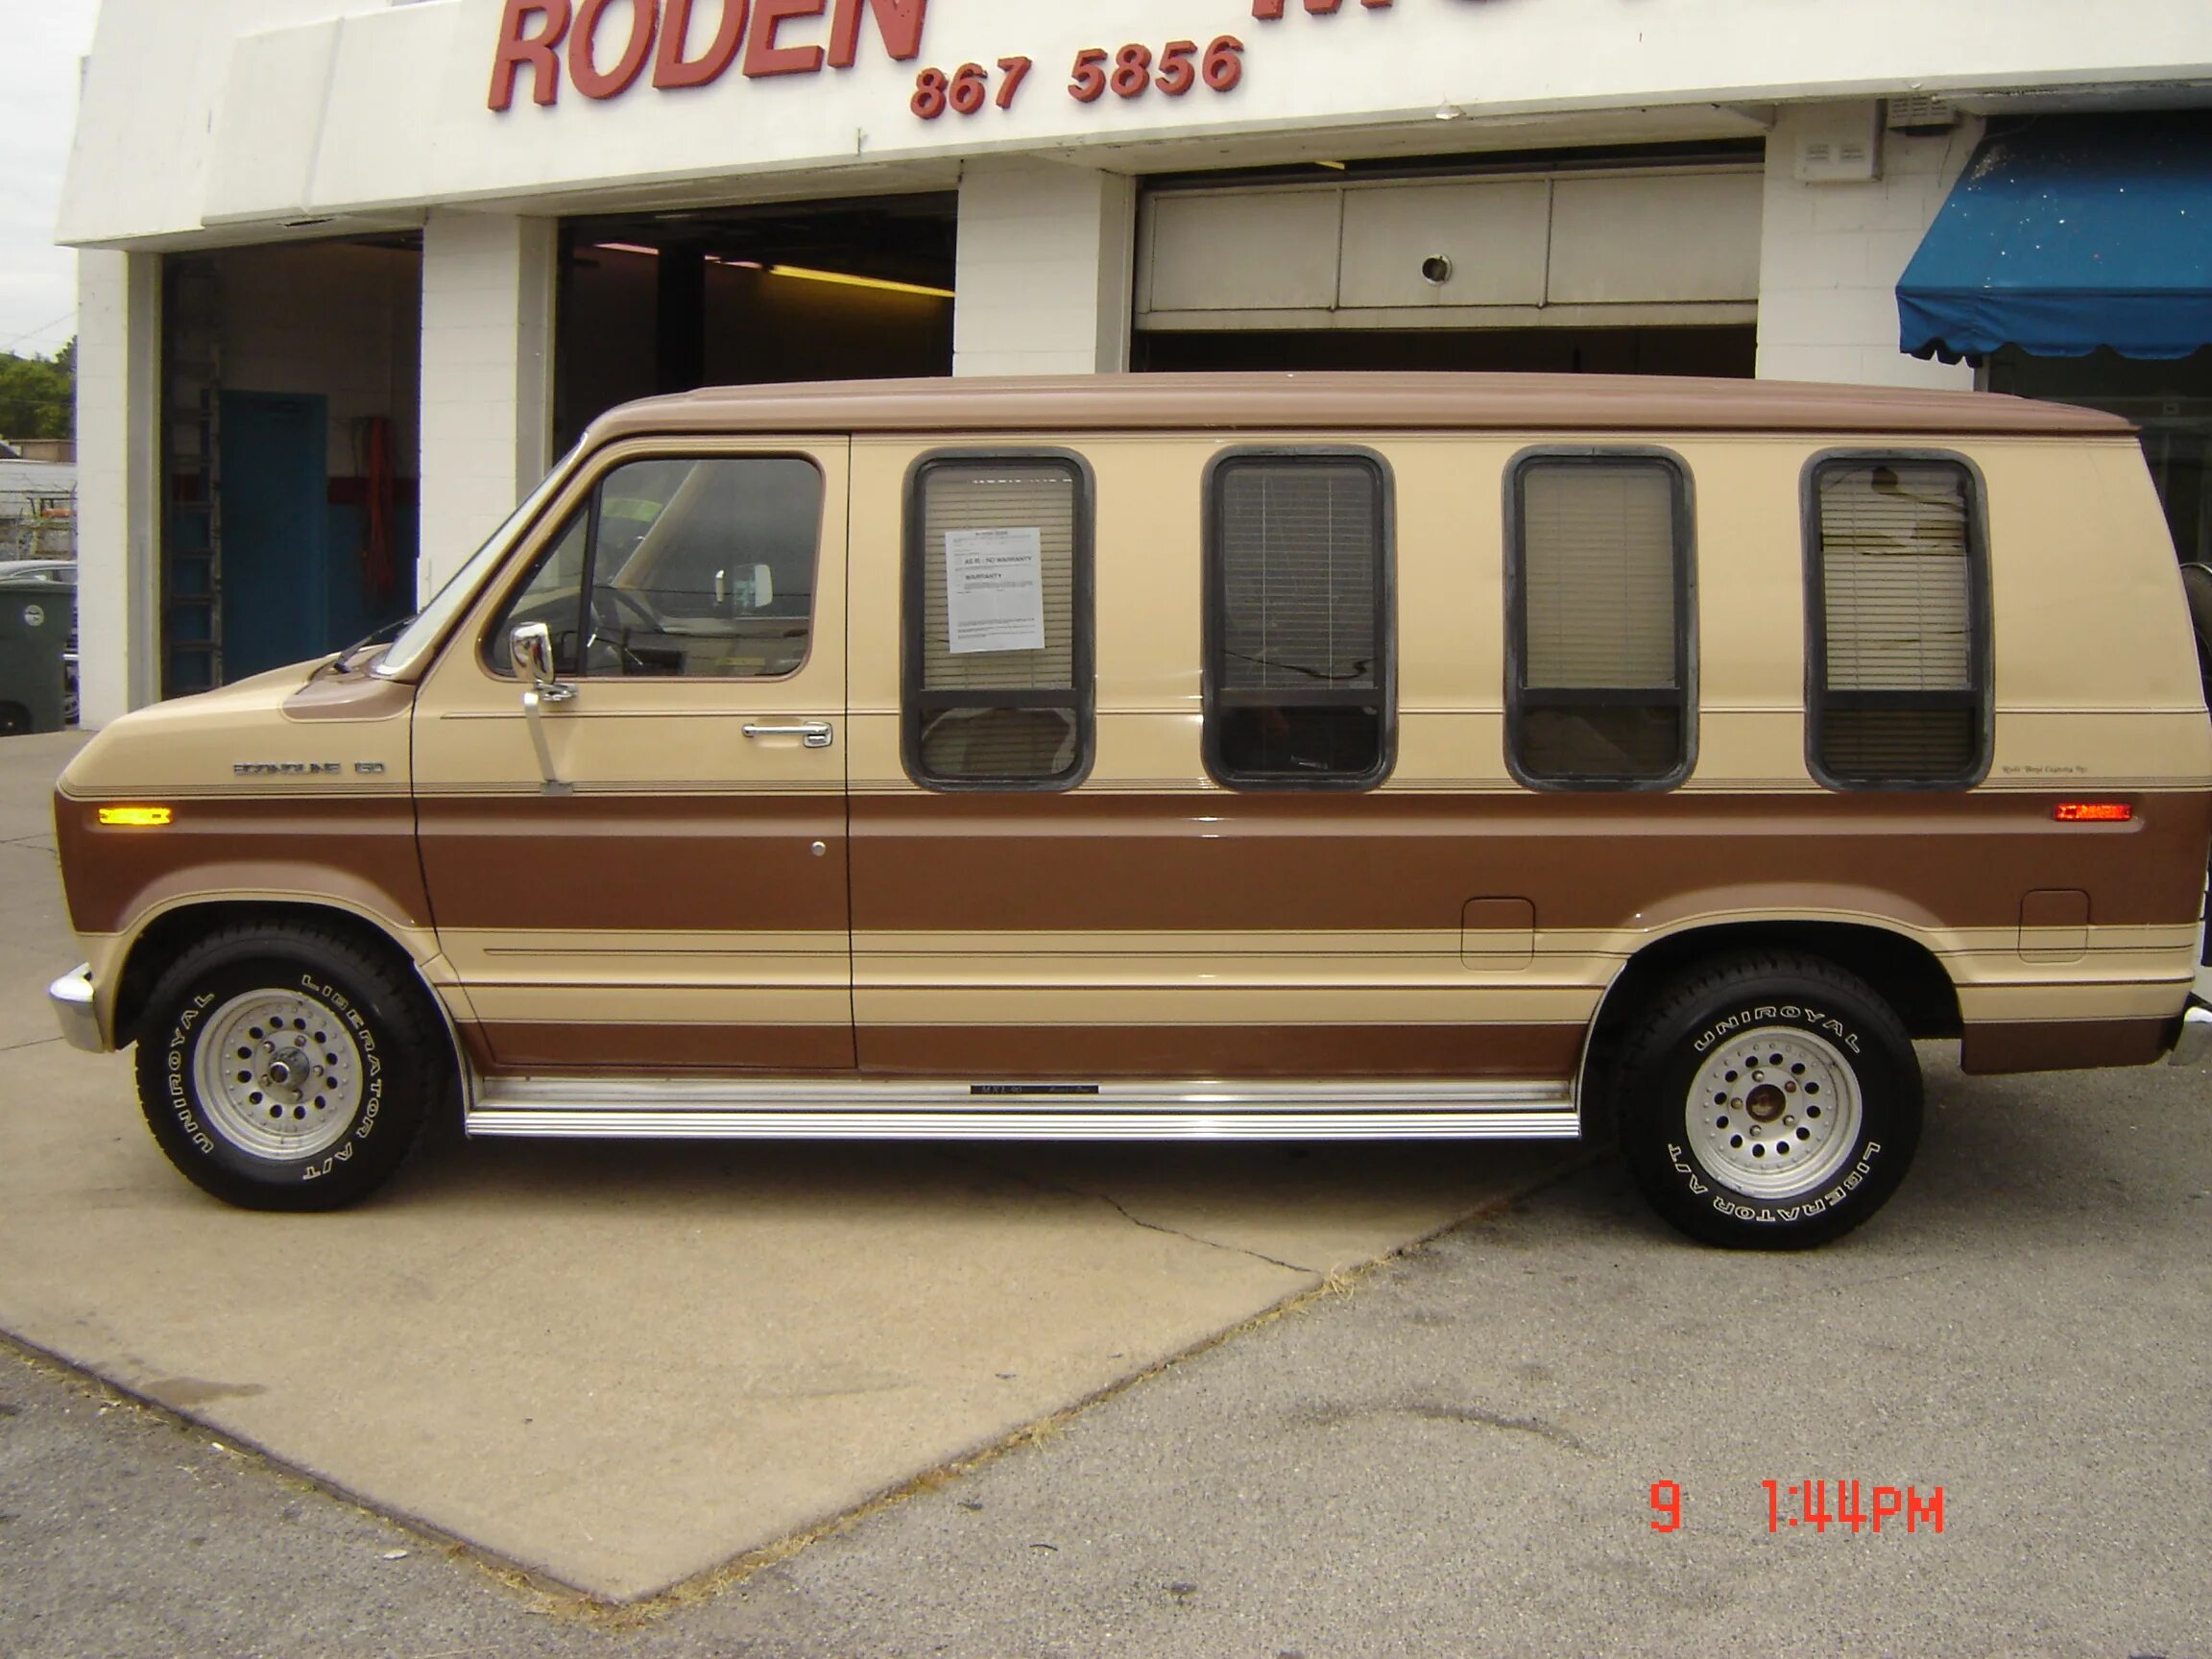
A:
638	864
1045	1052
1338	402
366	841
1380	861
1161	863
2062	1045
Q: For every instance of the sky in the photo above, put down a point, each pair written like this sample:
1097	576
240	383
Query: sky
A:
41	42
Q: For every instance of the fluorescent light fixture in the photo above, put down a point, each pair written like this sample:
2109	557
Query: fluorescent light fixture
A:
804	274
626	247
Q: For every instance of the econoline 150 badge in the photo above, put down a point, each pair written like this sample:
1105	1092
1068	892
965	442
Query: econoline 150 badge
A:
304	768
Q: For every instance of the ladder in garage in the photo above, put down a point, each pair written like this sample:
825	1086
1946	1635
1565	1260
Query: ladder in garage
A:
191	478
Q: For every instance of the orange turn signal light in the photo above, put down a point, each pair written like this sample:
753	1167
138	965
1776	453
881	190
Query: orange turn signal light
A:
2093	813
137	817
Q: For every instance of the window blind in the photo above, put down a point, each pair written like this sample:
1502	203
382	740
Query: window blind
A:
1598	577
997	495
1893	570
1899	699
1299	557
1018	716
1600	697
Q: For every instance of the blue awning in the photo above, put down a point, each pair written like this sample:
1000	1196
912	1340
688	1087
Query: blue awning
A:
2071	234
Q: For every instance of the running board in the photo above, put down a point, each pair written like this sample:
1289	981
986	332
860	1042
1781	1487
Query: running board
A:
689	1108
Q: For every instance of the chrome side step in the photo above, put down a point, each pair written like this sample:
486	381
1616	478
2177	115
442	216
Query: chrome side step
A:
689	1108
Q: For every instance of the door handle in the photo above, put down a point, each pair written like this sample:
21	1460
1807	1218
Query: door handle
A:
814	734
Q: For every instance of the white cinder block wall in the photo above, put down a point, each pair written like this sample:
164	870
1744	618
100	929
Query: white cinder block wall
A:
1045	262
118	475
1829	256
488	284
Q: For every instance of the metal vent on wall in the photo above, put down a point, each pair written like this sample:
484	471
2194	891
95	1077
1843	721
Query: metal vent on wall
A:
1840	145
1920	113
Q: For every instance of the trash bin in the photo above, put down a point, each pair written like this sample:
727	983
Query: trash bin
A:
35	620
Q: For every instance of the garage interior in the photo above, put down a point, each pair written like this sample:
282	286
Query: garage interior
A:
291	380
745	296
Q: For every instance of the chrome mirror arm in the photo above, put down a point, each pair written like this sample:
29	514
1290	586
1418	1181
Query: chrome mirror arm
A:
531	648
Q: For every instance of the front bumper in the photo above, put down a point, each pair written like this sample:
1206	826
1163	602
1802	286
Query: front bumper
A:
2193	1047
72	998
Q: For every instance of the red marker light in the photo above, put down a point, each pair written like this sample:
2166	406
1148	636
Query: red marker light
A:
2093	813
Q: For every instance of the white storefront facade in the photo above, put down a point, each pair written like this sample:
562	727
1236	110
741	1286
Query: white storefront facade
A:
413	245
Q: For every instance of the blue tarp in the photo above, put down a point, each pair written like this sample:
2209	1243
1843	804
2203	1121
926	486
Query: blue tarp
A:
2071	234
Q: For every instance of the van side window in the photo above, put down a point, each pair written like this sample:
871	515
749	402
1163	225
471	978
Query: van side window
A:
1599	621
1897	619
998	621
1299	676
696	566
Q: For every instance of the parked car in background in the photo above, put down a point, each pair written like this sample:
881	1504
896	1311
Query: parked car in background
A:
57	570
20	644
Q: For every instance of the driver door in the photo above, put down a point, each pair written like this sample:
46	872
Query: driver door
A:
646	875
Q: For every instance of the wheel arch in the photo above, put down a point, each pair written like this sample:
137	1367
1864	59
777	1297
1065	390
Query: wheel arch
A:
167	935
1900	969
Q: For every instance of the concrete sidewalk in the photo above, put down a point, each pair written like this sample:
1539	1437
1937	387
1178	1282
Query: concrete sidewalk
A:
624	1367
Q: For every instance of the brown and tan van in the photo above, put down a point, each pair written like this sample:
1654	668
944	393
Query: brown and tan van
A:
1299	757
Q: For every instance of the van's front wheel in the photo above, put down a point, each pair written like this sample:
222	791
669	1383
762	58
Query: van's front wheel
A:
284	1068
1768	1102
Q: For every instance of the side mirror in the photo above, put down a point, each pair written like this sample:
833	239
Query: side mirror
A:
531	648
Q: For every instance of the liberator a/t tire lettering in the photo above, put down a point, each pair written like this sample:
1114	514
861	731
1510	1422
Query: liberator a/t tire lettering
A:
283	1067
1768	1101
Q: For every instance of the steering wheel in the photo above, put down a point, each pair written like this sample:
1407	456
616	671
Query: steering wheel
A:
608	604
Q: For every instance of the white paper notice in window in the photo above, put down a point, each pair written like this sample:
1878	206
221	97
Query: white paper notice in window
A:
995	589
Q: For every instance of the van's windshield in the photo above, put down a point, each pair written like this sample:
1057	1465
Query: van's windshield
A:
429	625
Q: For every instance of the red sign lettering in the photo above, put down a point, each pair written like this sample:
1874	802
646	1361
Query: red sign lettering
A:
537	50
763	57
1271	10
897	21
672	69
532	34
582	49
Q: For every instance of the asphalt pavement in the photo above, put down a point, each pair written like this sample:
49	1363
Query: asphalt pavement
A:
1454	1454
1553	1428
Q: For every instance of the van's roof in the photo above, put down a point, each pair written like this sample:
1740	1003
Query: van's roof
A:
1345	402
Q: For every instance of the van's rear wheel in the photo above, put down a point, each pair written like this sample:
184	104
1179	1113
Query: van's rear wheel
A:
282	1067
1768	1102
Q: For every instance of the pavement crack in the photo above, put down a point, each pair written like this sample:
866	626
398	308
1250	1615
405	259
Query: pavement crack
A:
27	1043
1129	1215
1067	1189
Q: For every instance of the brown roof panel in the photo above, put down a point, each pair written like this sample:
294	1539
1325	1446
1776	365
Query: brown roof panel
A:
1574	403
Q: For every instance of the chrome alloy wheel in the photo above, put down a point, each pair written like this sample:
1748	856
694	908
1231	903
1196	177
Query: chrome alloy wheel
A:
1775	1111
278	1076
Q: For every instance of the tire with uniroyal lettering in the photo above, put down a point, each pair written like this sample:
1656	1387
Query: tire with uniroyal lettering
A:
283	1067
1768	1101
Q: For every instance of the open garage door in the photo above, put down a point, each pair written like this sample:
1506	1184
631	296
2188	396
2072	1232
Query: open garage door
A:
857	289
